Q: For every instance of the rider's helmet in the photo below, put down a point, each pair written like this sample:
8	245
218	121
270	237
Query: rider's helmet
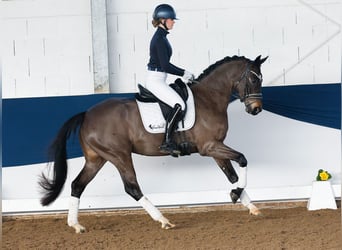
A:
164	11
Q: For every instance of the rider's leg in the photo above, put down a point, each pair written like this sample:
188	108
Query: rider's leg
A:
168	146
156	83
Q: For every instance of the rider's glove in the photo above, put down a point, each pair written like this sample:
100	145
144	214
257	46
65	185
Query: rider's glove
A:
188	77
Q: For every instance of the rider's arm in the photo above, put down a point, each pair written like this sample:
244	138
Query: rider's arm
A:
164	60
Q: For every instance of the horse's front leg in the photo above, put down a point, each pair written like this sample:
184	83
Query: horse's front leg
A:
222	155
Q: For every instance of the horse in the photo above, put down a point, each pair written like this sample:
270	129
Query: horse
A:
112	130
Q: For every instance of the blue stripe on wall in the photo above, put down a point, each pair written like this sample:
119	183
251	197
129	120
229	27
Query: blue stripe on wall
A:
318	104
30	124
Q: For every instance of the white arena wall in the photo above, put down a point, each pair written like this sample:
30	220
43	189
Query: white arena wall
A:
47	51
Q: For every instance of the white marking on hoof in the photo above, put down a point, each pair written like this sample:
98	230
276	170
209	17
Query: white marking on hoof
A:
253	210
78	228
166	224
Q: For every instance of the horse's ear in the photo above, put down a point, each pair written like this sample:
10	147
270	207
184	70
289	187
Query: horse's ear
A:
257	59
260	61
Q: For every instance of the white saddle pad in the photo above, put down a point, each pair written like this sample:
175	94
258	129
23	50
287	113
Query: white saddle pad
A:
153	118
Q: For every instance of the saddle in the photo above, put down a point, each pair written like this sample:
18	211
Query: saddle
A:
154	113
146	96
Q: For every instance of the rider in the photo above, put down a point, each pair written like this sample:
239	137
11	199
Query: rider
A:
158	66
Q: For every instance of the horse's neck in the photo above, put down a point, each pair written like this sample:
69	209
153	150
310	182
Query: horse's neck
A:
217	87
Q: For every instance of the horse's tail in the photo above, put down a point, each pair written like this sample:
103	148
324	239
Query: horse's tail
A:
58	153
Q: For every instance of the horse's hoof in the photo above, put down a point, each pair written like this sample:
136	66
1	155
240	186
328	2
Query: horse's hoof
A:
235	194
168	225
253	210
256	213
234	197
79	228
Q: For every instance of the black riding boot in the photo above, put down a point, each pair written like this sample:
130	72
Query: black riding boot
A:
169	146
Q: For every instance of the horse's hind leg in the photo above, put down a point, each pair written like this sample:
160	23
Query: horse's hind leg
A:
125	167
92	165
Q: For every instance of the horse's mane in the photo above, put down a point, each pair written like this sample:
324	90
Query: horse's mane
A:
227	59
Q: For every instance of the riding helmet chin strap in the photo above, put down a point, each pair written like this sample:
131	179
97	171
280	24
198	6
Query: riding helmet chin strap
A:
164	24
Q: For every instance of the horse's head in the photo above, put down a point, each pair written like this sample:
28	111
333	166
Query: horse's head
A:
249	86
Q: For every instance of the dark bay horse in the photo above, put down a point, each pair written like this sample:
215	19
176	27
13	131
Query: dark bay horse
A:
113	130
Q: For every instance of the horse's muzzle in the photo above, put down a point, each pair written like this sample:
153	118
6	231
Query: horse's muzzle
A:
253	107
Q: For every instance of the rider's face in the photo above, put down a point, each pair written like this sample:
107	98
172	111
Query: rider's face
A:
169	23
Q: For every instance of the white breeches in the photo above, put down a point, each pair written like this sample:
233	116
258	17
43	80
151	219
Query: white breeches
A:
156	83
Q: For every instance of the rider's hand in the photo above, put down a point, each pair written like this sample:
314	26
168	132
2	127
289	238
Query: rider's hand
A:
188	77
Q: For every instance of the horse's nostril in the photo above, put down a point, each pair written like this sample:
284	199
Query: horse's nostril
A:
256	111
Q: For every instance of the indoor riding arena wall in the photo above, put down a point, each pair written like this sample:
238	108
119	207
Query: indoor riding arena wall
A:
48	75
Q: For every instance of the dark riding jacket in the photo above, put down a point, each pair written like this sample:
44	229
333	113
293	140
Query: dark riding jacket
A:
160	54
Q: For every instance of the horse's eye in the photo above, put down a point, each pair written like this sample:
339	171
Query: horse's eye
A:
254	80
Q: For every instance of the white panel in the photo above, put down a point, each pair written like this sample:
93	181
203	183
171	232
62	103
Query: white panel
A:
238	36
77	46
53	46
35	47
30	86
279	16
81	84
141	45
334	50
8	89
128	62
7	47
74	26
15	28
52	65
141	60
132	23
123	82
301	74
43	28
222	19
305	15
57	85
191	22
301	35
37	66
44	8
45	33
333	11
28	47
114	60
123	43
75	65
270	36
16	66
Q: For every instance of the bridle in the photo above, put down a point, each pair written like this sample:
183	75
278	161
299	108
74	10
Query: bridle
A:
247	94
